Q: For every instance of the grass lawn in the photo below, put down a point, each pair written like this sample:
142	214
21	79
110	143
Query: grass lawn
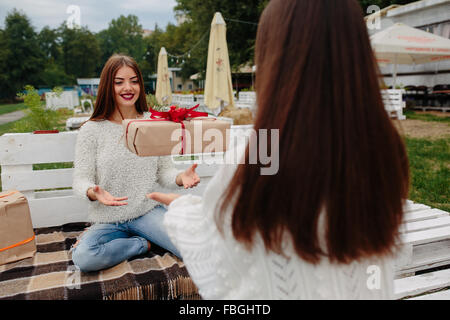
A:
429	162
7	108
413	115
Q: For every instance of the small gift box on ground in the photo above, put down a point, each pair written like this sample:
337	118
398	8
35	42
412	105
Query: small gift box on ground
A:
178	131
17	240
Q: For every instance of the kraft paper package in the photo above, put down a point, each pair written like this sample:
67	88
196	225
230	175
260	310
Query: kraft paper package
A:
17	239
163	138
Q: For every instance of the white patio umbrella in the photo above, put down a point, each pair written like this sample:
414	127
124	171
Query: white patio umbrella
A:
163	92
218	87
402	44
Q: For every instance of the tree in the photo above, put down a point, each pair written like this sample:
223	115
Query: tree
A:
48	42
241	17
21	54
124	35
81	52
4	55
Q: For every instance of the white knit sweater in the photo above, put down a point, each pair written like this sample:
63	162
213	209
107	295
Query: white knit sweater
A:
222	268
101	158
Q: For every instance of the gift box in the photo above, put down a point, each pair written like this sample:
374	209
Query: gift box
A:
17	239
179	131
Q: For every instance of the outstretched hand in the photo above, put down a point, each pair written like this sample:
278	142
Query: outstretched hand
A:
164	198
188	178
104	197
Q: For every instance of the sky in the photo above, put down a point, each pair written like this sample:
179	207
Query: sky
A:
95	14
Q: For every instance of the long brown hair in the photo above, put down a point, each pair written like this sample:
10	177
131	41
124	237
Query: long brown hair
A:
106	101
317	82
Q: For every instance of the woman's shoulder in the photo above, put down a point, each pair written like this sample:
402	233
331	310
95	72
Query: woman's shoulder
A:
92	128
91	125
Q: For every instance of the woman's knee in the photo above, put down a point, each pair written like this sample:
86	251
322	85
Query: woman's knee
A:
87	258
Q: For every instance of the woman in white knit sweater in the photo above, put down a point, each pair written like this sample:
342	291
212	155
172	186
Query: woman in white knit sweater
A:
325	226
115	180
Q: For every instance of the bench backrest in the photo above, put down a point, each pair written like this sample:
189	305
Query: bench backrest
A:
49	191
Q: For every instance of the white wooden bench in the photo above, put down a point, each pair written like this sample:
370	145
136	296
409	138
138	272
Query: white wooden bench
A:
20	151
393	103
425	231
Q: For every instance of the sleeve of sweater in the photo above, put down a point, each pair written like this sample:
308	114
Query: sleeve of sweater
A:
191	225
195	238
167	173
84	163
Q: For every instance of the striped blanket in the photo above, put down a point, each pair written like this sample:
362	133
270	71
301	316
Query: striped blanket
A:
51	275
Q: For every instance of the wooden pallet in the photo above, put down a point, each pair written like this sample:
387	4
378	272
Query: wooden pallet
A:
426	245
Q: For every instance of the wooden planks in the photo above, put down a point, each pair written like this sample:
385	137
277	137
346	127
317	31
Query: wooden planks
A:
416	285
440	295
426	241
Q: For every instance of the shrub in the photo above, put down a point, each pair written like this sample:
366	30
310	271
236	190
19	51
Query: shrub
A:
37	116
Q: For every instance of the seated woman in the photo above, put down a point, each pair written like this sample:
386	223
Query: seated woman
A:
326	225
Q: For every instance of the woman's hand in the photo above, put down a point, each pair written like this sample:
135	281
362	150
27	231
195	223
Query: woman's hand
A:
104	197
164	198
188	178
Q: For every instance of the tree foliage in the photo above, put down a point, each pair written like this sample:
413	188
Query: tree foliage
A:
59	56
21	57
124	35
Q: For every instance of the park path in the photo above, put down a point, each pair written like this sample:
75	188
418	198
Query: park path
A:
11	116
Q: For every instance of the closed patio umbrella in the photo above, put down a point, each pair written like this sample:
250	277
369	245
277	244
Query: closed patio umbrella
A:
402	44
218	87
163	89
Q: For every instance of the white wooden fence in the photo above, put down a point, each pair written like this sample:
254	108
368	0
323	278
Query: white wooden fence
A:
65	99
393	103
425	233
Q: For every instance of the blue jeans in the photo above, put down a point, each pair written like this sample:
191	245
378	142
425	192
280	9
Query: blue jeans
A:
104	245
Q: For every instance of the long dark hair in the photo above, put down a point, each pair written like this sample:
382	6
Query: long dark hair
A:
106	102
317	82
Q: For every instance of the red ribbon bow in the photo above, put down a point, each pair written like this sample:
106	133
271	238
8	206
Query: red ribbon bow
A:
177	114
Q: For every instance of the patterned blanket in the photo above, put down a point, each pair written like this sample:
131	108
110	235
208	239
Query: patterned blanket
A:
51	275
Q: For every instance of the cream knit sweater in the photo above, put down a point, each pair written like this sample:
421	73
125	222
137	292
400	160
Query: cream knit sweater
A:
101	158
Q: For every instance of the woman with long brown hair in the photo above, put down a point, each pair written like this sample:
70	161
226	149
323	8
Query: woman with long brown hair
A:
115	180
327	224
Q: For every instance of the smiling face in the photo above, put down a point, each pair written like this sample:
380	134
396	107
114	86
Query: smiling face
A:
126	87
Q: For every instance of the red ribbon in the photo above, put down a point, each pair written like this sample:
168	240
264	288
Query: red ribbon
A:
177	115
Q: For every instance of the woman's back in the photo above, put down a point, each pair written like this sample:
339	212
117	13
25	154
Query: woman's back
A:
223	268
327	223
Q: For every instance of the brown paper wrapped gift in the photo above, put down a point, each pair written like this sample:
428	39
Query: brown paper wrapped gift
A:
163	137
17	240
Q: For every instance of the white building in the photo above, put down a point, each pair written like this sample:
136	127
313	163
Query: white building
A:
428	15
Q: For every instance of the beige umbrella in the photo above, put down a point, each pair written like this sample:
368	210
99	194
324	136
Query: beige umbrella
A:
163	89
402	44
218	87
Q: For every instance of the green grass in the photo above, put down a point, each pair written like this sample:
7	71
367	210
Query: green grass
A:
425	117
430	172
7	108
